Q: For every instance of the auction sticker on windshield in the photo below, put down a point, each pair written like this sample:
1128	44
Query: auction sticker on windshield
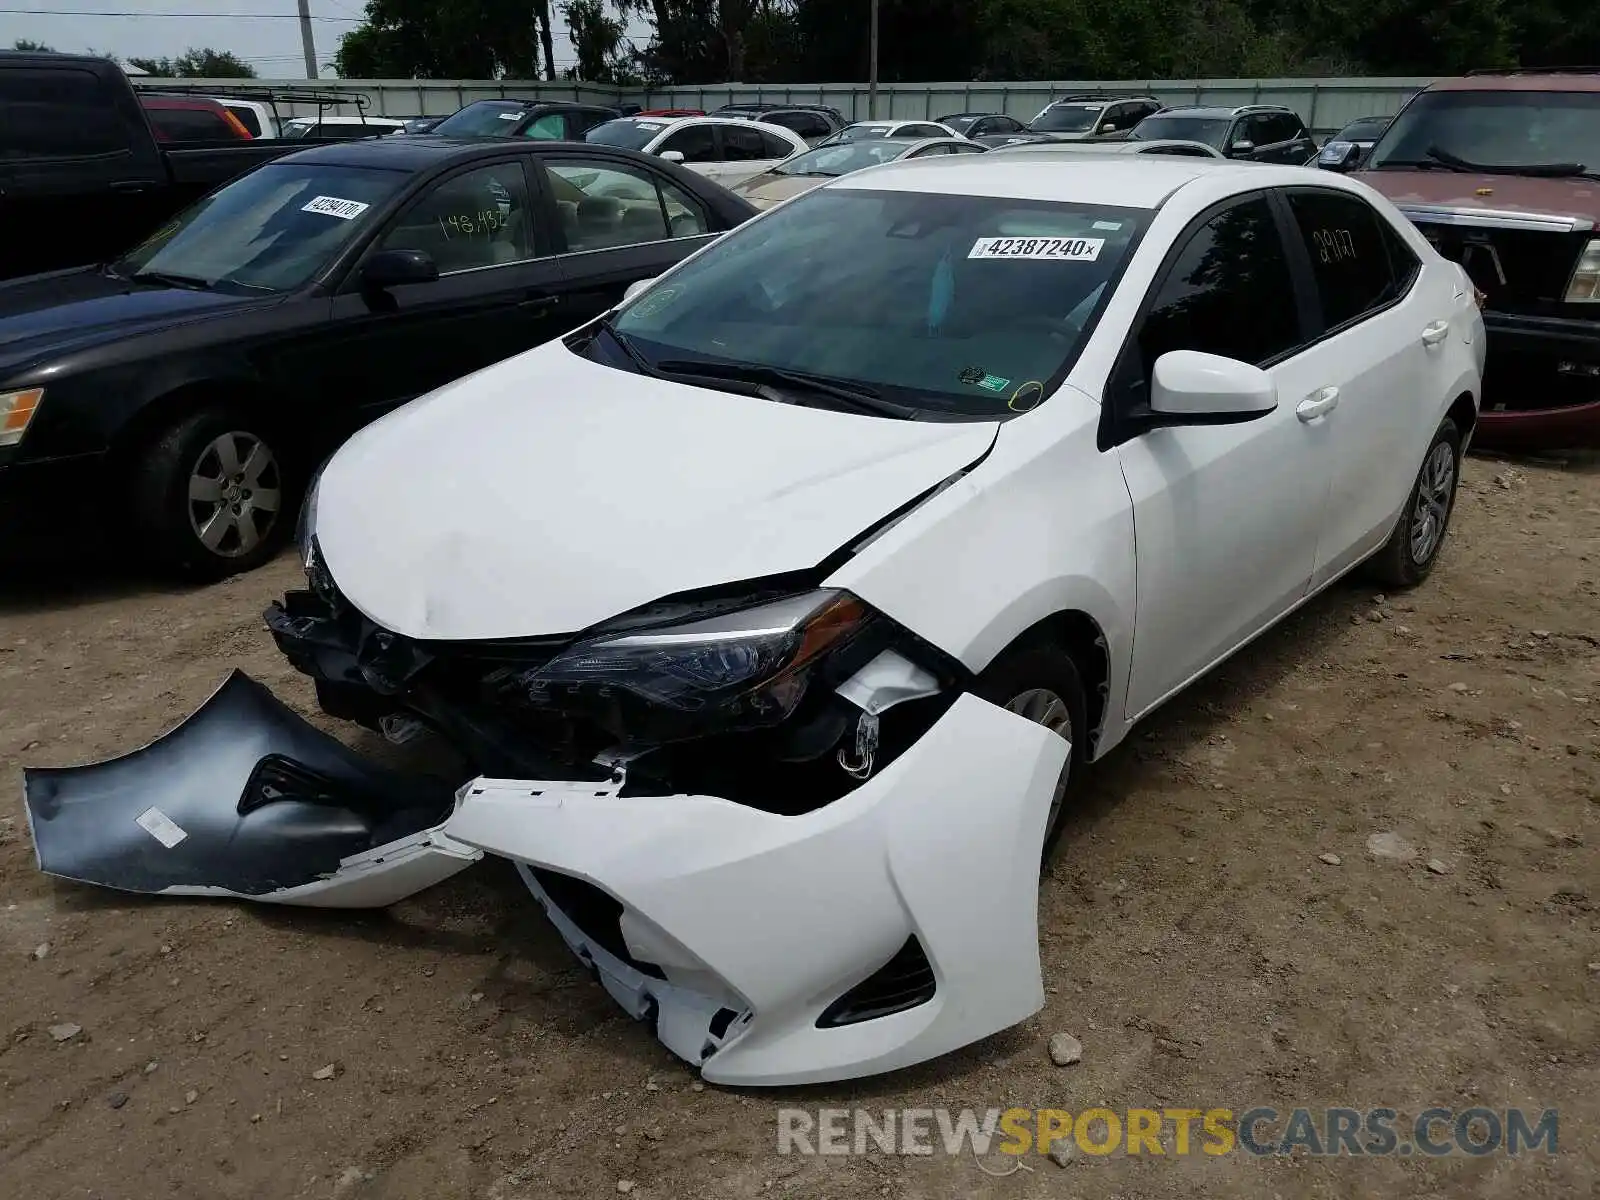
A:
332	206
1052	248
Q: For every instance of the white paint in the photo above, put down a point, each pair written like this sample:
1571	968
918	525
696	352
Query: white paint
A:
161	827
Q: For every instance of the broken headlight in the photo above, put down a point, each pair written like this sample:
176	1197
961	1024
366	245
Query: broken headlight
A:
305	531
743	669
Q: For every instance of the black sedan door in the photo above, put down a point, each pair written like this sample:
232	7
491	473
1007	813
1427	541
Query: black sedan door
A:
615	222
498	291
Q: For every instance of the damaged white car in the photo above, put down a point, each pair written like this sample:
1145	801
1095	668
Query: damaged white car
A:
776	611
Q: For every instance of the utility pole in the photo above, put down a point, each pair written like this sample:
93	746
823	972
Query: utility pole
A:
872	70
306	42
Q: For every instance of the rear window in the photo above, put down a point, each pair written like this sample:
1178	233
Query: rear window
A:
57	113
247	117
1067	118
486	118
1210	130
191	125
631	133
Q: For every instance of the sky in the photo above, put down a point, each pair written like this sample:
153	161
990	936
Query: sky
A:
266	33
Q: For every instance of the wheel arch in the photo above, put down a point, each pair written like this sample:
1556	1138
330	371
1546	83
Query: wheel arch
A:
1463	411
1082	637
170	400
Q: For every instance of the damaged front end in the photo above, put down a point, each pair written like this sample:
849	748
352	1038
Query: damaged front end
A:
775	824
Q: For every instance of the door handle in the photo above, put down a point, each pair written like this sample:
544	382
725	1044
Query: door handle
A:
538	304
1318	404
1435	333
130	185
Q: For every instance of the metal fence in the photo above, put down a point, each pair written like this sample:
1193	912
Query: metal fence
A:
1324	104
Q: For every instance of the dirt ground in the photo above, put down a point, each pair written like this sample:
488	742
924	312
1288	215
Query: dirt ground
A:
1193	938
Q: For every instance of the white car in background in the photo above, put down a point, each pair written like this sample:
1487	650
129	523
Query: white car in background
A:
800	174
727	149
1169	146
897	129
328	127
780	608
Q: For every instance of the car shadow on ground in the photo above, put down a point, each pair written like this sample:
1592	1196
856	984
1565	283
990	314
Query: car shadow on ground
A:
56	578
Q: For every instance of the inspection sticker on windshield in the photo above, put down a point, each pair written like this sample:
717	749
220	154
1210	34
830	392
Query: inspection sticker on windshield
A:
161	827
1054	249
651	124
510	116
332	206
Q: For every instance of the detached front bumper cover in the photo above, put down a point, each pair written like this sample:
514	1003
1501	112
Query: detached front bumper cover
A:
892	925
245	799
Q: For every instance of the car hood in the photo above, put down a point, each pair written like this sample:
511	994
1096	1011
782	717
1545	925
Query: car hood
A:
548	493
1517	193
50	314
766	189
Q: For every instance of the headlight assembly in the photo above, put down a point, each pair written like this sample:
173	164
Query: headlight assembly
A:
1584	286
16	411
305	530
737	670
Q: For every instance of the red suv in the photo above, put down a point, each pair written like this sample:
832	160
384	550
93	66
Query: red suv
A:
1501	172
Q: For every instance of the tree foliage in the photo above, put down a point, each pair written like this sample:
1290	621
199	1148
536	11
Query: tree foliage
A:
28	46
787	41
197	64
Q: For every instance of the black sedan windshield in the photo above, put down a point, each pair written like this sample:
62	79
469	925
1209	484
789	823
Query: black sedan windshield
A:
1504	130
271	231
631	133
486	118
1210	130
843	157
966	306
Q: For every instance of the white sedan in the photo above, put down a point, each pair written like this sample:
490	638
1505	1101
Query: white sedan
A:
727	149
861	130
779	609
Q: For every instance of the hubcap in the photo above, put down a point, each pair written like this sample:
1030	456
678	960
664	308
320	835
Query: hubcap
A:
1044	707
1434	490
234	493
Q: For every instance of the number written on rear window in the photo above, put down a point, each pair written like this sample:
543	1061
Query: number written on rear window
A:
1348	257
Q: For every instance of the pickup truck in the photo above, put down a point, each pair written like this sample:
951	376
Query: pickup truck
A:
82	177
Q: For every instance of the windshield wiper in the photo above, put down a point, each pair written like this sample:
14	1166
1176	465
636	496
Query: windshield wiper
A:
172	279
854	396
637	359
1565	170
1414	164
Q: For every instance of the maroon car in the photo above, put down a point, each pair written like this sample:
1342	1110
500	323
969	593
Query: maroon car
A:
1501	172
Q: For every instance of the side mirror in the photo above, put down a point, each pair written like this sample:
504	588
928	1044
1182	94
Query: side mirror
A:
1242	147
393	268
672	156
637	286
1192	388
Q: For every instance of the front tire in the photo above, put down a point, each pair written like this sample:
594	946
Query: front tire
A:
1413	547
1037	679
211	495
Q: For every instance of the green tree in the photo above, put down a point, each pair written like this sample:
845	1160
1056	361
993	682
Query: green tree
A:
597	36
197	64
28	46
465	39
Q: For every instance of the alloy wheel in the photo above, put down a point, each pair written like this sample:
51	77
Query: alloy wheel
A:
1435	488
234	493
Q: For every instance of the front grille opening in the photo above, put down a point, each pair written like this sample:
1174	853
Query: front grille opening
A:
902	983
596	913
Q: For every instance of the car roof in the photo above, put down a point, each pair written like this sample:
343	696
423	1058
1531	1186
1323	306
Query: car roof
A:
1220	111
416	152
1125	181
1549	79
334	118
1070	150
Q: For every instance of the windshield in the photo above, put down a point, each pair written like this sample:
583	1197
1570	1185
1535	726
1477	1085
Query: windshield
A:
1499	129
967	306
844	158
960	124
271	231
486	118
854	133
1210	130
1362	131
1067	118
631	133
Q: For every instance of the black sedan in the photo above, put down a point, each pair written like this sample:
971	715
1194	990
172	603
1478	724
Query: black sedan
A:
192	387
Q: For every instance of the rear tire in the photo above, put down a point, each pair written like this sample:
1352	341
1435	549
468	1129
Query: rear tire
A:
211	495
1412	549
1038	679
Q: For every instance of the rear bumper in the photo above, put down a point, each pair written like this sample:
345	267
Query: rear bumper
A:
1542	390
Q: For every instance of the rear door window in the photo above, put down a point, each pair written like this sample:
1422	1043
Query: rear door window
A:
696	143
551	127
57	113
247	117
192	125
744	145
1349	259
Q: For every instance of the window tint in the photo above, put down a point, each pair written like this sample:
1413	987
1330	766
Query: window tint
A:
476	219
191	125
1229	292
807	125
552	127
1349	260
743	145
929	151
47	113
958	149
1284	127
773	146
923	131
606	205
696	143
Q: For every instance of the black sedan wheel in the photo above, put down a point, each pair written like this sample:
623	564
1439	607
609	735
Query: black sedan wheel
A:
212	495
